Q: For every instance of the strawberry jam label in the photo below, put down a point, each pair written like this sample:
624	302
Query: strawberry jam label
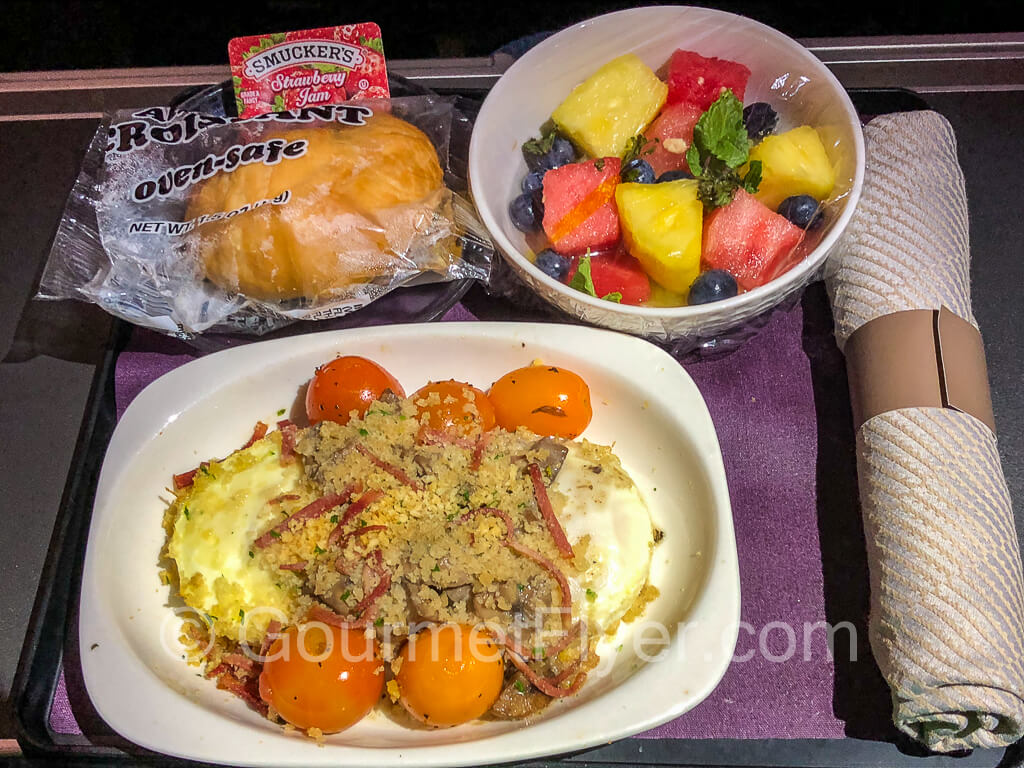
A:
314	67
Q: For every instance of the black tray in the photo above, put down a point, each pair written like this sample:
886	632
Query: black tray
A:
52	634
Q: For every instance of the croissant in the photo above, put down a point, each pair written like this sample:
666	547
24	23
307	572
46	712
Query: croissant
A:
357	201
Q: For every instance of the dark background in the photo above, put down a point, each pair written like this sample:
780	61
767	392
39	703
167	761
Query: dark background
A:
102	33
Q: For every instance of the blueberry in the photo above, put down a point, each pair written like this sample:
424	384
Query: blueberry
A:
802	210
760	120
523	213
674	176
561	153
552	264
638	171
533	181
713	285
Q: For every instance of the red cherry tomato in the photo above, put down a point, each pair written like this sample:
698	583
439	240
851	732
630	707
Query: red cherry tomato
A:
460	407
545	399
322	679
344	385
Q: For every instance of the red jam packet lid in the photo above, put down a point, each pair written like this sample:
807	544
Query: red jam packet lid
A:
314	67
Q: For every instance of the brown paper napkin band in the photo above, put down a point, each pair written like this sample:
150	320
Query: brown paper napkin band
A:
918	358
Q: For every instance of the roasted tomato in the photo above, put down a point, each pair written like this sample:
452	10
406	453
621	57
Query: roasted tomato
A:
322	679
450	674
344	385
543	398
458	407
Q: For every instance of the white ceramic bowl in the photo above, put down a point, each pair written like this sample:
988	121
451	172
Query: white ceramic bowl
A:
644	402
783	73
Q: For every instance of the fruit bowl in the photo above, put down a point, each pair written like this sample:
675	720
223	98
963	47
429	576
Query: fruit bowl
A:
783	73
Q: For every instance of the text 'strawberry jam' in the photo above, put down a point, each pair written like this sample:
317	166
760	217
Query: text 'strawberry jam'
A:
313	67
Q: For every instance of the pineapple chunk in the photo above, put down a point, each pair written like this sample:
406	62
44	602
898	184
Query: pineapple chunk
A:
611	106
662	224
793	163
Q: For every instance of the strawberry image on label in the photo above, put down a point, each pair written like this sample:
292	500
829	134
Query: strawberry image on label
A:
308	68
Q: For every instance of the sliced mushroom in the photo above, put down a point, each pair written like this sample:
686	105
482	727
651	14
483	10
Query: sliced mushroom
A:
484	607
556	451
458	595
532	599
334	597
519	699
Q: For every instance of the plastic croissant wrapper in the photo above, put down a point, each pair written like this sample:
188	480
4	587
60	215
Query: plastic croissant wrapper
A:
947	598
185	222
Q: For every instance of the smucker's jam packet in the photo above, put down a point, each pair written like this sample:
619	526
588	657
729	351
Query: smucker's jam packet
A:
185	223
312	67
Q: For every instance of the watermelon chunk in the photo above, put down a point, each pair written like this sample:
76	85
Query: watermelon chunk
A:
749	240
617	272
699	80
579	206
674	125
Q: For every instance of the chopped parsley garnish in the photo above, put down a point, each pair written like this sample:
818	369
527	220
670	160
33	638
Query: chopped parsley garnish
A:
275	534
185	511
241	615
280	411
345	594
334	518
539	653
318	551
379	622
591	595
364	432
720	146
435	569
520	686
251	555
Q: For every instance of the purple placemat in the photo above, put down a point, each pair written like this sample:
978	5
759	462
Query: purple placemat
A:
761	398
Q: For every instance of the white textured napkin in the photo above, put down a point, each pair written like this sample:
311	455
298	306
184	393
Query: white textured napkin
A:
947	598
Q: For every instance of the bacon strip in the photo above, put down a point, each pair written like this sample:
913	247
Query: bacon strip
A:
478	451
316	613
231	684
299	566
554	527
311	510
512	543
367	608
273	628
365	500
258	433
288	431
546	685
185	479
396	472
238	660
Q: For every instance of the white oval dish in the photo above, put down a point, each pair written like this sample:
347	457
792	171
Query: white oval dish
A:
783	73
644	403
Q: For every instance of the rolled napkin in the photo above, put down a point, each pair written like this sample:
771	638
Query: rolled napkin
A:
947	597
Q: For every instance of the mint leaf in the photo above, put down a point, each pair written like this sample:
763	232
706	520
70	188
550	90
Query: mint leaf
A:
582	281
542	145
720	131
720	146
753	178
613	296
635	148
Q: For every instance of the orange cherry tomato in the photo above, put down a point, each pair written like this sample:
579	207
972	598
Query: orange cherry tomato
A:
545	399
327	680
462	408
450	674
344	385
